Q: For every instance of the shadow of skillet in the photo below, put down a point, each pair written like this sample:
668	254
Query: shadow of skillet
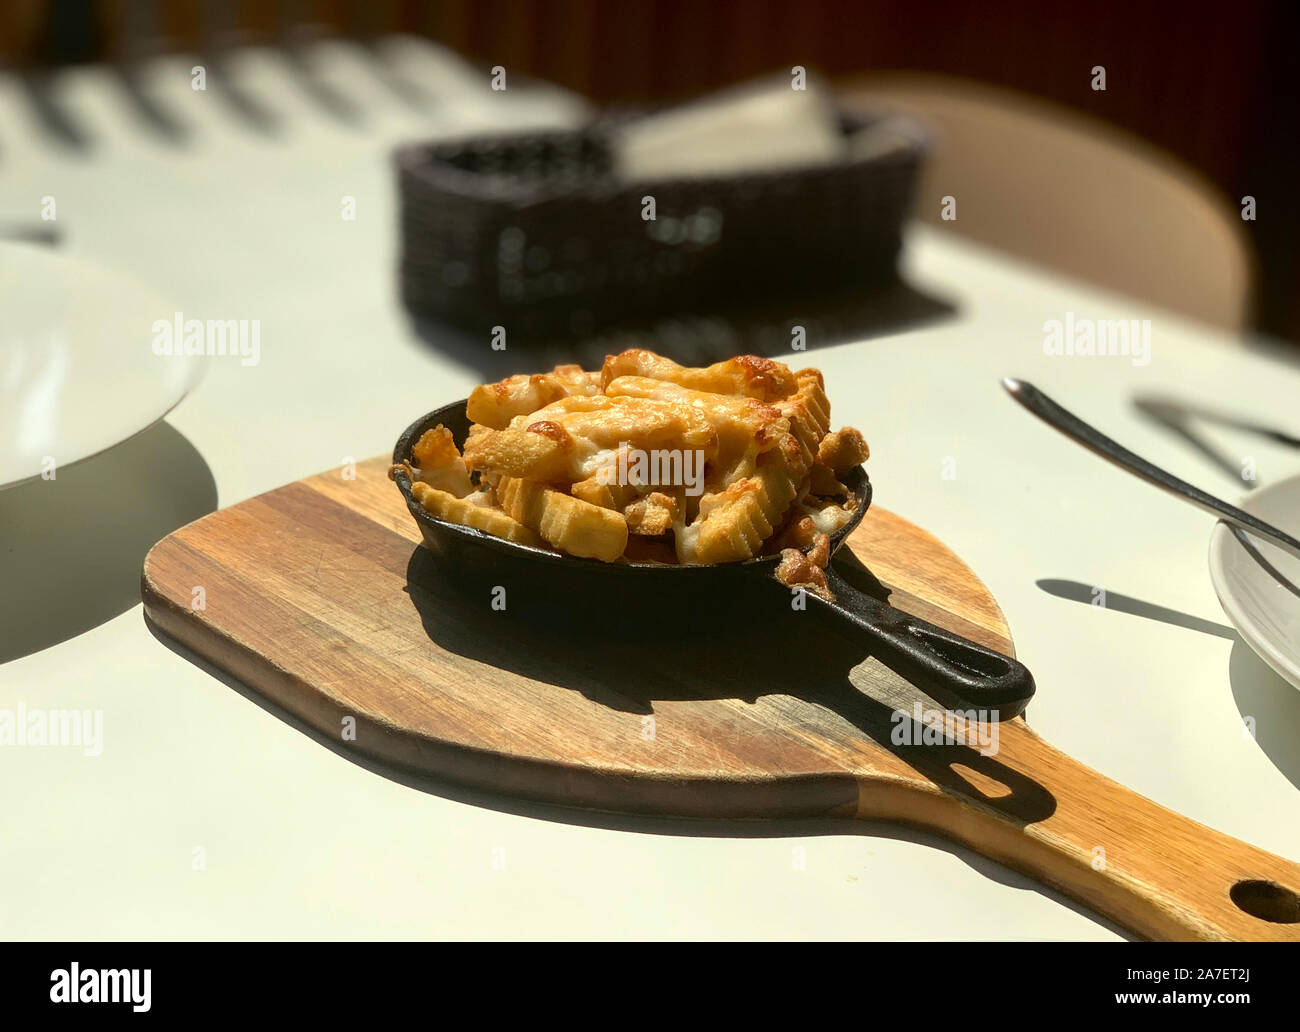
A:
1260	694
701	338
726	662
71	548
626	673
693	827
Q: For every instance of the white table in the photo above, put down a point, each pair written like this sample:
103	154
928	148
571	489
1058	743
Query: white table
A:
300	842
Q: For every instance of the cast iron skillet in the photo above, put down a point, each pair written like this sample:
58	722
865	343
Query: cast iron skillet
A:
955	671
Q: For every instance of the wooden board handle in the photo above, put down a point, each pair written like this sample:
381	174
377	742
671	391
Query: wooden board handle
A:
1149	869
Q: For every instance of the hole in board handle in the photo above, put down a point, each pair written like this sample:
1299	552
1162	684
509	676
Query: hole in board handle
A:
1266	900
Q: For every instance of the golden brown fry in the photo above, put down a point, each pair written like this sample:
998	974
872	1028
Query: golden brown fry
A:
611	495
608	421
495	404
458	510
744	427
438	462
798	532
809	413
571	439
746	376
798	570
652	515
734	523
547	450
544	451
564	522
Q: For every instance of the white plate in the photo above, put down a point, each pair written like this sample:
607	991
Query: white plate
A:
1264	611
77	369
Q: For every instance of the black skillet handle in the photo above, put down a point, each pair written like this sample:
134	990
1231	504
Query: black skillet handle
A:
955	671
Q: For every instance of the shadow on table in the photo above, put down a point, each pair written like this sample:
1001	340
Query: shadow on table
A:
57	122
1271	705
71	548
302	66
248	109
700	338
1262	697
149	112
1077	591
1180	418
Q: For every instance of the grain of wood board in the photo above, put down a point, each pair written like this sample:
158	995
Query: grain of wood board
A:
319	597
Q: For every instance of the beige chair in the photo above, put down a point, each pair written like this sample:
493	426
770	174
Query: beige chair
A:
1075	194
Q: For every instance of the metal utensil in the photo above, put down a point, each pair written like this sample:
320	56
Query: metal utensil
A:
1075	428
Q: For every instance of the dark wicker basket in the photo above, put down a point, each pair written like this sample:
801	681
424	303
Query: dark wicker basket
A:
533	233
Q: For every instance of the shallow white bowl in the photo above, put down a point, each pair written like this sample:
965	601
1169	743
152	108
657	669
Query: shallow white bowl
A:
1264	611
77	369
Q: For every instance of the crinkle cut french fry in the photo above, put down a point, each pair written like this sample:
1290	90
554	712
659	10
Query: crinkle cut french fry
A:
564	522
541	446
744	427
457	510
610	421
521	453
747	376
495	404
557	443
607	495
809	412
745	415
734	523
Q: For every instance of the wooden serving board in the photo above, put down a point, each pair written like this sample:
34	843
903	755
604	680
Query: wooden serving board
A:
318	596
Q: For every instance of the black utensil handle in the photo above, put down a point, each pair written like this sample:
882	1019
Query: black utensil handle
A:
955	671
